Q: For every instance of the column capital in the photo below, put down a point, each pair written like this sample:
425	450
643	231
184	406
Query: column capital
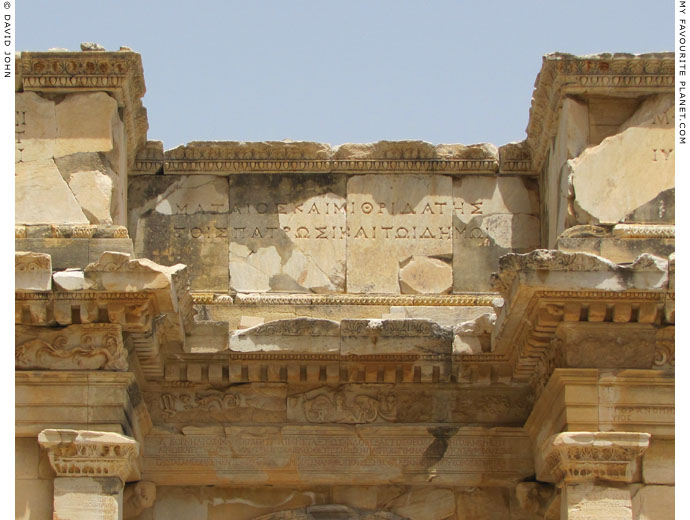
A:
585	456
84	453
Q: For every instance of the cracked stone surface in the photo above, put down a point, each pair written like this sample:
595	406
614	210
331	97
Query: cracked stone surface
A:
628	169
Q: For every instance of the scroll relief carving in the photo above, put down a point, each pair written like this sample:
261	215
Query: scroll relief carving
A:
175	404
77	347
332	406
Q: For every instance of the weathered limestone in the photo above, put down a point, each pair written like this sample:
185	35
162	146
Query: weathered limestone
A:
640	159
393	218
344	351
91	470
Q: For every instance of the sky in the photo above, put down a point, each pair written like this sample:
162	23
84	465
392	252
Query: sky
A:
336	72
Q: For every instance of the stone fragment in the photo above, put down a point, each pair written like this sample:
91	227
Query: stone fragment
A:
638	162
592	500
85	123
474	337
91	46
32	271
423	275
306	335
71	280
93	191
424	504
43	197
391	218
35	127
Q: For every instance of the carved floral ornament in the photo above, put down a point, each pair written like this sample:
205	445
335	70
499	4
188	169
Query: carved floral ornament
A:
84	453
585	456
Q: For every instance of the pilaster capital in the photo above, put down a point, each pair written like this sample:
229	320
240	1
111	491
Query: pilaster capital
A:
585	456
84	453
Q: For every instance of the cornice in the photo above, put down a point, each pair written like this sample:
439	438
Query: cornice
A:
119	73
260	299
229	158
599	74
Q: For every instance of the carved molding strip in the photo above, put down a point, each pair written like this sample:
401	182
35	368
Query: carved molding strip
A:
348	299
70	231
83	453
563	74
644	231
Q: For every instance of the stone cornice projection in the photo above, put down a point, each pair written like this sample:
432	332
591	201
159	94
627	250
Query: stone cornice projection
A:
547	290
586	456
119	73
227	158
599	74
83	453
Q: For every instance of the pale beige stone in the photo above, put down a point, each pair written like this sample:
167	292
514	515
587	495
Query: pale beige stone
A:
93	191
137	497
446	316
43	197
250	321
86	498
654	503
423	275
71	280
658	462
32	271
35	127
481	195
638	163
85	123
362	337
181	505
424	504
589	500
391	218
193	194
362	497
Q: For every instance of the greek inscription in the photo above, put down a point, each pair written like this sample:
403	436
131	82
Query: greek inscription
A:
210	233
661	154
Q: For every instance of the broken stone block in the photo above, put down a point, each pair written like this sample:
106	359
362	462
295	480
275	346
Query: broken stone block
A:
32	271
628	169
35	127
391	218
71	280
85	123
43	197
423	275
287	233
363	337
250	321
424	504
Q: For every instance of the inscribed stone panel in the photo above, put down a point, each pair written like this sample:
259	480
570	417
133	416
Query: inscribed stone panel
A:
391	218
183	219
287	233
491	217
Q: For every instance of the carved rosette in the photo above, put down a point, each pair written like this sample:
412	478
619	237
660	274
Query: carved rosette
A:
585	456
83	453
